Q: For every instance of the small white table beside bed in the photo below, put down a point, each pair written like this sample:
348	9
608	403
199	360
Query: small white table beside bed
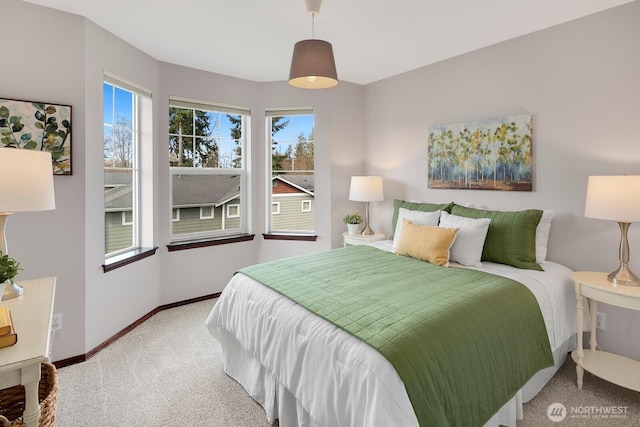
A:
306	371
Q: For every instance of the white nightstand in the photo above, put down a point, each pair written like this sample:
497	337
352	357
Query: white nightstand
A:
611	367
359	239
20	363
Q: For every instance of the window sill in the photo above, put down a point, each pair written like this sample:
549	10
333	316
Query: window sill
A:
298	237
127	258
192	244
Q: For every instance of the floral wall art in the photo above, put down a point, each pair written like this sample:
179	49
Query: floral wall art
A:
490	154
38	126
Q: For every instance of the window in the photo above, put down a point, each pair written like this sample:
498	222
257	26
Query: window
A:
128	191
206	212
207	158
291	171
175	214
127	218
233	211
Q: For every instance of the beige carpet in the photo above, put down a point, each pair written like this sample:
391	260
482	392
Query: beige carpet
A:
167	372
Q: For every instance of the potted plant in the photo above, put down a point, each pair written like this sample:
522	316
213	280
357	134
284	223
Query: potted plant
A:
353	222
9	269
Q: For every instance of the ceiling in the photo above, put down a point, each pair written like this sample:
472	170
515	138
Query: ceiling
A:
372	39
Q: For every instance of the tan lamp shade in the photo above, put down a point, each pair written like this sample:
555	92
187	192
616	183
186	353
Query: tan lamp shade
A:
312	65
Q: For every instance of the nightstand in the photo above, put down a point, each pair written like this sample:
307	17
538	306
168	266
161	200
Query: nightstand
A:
20	363
611	367
359	239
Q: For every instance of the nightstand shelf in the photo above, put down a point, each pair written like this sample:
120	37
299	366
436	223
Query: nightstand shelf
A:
611	367
614	368
359	239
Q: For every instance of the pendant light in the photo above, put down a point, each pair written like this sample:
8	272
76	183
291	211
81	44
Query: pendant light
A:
312	65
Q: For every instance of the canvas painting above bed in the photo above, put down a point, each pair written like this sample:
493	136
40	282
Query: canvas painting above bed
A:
490	154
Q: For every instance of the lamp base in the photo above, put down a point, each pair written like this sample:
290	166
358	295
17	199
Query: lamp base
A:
367	231
624	276
11	290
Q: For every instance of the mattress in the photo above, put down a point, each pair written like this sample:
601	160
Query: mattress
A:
338	379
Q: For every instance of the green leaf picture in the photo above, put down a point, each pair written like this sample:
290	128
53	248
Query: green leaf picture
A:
38	126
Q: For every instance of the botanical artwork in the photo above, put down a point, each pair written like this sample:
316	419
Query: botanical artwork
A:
38	126
490	154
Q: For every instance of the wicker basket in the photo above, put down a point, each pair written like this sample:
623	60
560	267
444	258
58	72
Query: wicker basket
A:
12	400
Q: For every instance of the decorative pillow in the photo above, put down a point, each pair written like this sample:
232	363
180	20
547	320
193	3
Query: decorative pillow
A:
467	248
417	217
416	206
542	235
427	243
511	238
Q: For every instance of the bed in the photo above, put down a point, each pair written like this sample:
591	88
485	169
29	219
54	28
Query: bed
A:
306	370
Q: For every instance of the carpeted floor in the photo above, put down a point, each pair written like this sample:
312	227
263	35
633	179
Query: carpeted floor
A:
167	372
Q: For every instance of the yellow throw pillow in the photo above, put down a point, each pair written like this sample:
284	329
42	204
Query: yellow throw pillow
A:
428	243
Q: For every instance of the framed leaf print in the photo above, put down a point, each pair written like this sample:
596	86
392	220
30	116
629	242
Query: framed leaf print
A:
38	126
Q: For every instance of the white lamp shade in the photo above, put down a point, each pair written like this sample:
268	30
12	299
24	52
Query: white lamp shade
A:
26	180
615	198
366	189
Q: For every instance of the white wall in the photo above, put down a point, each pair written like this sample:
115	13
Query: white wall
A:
581	83
40	68
116	299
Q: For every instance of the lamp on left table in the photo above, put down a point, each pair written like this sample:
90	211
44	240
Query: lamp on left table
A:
26	184
366	189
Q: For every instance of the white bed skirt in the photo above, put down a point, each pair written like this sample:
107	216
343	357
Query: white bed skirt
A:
279	403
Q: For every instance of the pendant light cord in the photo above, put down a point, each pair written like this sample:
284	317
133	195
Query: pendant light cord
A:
313	25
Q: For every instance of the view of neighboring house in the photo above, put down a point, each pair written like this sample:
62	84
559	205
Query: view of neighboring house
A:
292	203
118	218
204	203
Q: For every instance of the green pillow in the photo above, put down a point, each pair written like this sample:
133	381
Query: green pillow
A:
416	206
511	238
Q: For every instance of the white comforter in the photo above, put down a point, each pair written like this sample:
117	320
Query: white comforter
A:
279	351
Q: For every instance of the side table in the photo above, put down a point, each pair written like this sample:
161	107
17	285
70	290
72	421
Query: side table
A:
20	363
359	239
611	367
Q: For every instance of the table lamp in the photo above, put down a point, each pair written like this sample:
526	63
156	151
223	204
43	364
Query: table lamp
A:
616	198
26	184
366	189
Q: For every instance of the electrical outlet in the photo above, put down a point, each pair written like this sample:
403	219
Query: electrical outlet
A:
600	321
56	323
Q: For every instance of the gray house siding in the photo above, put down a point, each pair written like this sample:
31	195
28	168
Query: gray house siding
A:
118	236
291	216
190	221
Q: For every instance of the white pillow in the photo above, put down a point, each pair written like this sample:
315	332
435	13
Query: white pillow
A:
542	235
472	232
416	217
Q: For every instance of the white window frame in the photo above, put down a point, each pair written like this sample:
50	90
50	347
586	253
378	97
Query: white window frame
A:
142	182
124	218
243	171
176	217
237	207
269	114
303	203
277	205
211	216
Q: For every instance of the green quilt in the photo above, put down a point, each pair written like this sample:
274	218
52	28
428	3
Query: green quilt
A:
463	341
